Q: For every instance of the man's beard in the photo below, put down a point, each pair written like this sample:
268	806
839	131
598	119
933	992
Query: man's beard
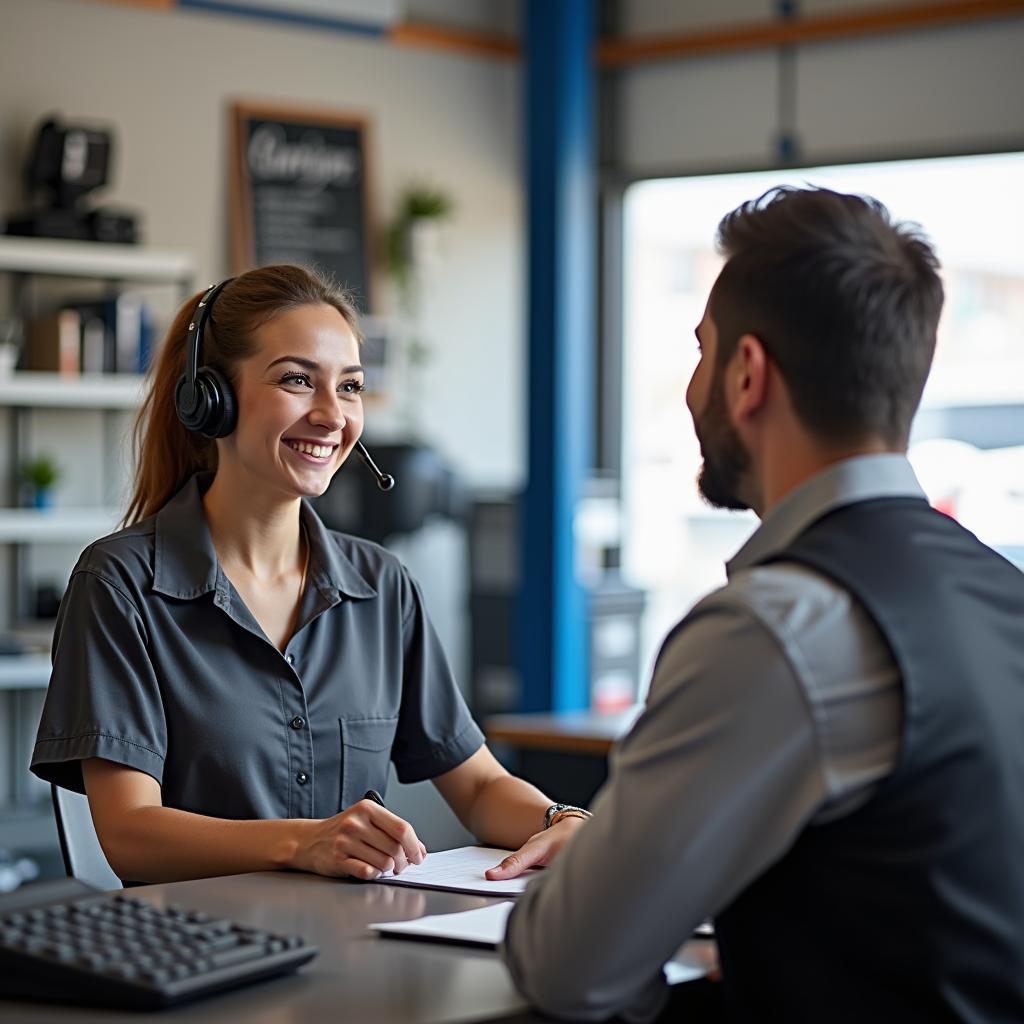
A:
726	461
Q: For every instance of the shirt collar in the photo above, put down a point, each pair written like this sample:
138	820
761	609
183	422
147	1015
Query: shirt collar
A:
862	478
185	561
329	567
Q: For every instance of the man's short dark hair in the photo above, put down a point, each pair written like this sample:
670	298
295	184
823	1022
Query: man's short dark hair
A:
845	301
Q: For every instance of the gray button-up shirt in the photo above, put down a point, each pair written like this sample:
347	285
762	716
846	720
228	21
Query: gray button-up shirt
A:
775	703
159	665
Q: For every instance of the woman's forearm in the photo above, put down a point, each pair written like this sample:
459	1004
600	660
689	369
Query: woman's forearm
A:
507	811
162	844
147	842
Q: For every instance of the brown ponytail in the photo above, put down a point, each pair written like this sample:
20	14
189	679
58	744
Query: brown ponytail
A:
166	454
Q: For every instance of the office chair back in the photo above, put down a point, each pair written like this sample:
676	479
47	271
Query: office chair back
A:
83	856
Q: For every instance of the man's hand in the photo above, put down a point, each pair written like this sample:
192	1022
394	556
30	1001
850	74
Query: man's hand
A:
540	849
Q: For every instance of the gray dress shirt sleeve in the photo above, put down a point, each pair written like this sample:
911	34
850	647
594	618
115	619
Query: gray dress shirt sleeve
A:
436	732
771	704
775	704
683	824
104	699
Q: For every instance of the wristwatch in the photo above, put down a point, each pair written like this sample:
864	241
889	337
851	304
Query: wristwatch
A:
556	812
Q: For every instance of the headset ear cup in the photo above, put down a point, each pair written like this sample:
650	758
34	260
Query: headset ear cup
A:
222	415
187	403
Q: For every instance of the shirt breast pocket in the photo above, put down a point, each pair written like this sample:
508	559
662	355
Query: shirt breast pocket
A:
365	754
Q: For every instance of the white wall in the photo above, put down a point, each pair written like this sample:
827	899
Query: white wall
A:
165	80
916	92
500	17
904	93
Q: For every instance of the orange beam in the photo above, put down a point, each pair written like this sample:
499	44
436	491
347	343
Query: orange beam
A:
809	29
438	37
760	35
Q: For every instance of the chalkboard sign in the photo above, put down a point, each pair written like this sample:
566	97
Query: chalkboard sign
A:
300	193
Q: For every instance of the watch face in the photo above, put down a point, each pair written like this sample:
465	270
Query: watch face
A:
552	811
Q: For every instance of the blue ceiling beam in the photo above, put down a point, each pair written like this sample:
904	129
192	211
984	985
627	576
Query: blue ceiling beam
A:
289	16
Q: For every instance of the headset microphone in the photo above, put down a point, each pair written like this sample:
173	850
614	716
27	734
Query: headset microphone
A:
385	481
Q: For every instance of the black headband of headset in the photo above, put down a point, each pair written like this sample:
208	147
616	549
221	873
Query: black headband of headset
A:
195	330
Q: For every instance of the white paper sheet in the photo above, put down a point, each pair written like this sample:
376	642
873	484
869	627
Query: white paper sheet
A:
485	927
482	927
461	870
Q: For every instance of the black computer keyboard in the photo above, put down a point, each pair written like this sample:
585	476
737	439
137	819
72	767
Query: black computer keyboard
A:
65	941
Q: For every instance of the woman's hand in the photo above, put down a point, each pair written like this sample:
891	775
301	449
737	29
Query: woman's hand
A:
363	841
540	849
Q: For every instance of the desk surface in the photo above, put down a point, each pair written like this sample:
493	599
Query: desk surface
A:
357	977
576	732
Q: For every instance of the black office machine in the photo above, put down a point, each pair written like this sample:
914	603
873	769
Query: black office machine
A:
65	164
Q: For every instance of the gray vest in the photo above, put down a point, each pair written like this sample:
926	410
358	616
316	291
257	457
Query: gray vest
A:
911	908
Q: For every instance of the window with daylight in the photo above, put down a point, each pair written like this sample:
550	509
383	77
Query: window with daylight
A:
968	439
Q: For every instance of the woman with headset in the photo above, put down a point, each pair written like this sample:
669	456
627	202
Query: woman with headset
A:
230	678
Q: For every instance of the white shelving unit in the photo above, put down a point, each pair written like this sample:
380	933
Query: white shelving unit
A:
27	671
33	393
56	525
24	822
34	390
94	260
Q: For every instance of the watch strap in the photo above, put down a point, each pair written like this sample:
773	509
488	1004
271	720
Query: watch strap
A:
558	811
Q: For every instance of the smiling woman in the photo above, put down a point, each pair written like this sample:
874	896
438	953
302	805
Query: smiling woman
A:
271	329
229	676
300	406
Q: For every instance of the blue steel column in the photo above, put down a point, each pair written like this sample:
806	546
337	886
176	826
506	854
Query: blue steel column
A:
561	205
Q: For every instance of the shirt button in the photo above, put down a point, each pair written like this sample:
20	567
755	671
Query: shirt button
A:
290	658
302	778
298	722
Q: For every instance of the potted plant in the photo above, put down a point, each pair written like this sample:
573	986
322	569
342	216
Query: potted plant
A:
412	236
413	248
41	474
